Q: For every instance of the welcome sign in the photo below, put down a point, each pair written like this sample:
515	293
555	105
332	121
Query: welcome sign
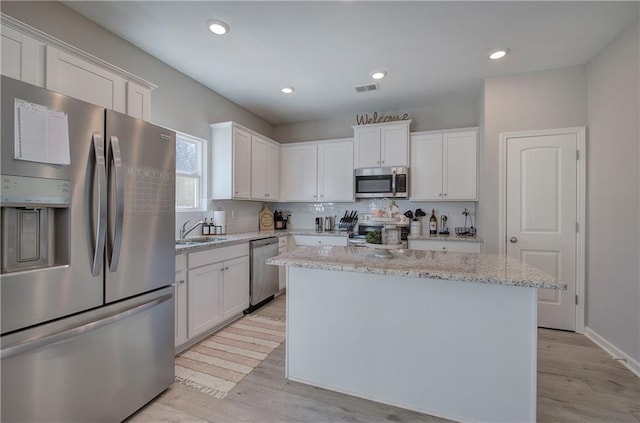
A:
366	119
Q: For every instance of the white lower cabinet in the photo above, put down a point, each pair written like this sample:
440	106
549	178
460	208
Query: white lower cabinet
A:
235	288
318	240
180	300
205	298
212	288
456	246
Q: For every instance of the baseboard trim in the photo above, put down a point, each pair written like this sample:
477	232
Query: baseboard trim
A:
615	352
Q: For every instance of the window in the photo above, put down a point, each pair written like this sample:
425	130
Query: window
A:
190	172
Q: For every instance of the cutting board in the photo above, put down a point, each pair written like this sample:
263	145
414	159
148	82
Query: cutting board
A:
265	219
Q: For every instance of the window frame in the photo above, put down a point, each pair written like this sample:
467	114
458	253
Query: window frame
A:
200	175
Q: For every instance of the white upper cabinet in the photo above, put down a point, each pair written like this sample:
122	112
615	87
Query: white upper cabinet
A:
85	81
231	161
299	172
317	171
39	59
335	171
23	57
384	144
265	165
444	165
245	165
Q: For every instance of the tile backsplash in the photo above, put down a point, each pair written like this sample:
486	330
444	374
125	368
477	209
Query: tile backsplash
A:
242	216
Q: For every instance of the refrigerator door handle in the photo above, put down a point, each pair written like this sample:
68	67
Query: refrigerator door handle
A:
96	324
101	225
119	203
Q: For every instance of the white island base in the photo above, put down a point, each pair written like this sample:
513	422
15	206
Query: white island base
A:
460	350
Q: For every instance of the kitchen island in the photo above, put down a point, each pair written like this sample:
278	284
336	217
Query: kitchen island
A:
447	334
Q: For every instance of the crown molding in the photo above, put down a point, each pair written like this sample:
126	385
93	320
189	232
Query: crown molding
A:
15	24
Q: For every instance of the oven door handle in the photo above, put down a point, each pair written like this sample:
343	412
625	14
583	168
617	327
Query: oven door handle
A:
393	183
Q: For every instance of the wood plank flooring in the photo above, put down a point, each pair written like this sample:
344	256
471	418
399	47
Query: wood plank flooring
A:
577	382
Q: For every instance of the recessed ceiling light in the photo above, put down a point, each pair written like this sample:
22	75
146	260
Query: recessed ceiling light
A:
379	74
287	90
498	53
217	27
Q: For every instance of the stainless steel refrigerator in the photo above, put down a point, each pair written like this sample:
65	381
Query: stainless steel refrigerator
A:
88	257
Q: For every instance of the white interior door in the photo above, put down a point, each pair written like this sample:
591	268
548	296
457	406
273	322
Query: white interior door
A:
541	217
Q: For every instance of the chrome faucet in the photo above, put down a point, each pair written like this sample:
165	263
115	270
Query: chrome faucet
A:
184	232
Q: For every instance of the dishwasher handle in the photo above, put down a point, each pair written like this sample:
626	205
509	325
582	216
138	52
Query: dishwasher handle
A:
264	241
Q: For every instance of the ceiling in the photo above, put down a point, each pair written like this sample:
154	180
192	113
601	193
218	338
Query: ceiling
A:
431	50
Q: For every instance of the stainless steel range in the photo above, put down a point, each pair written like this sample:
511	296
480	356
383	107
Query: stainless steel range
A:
365	225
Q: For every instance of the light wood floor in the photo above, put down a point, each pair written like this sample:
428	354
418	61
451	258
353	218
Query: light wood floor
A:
577	382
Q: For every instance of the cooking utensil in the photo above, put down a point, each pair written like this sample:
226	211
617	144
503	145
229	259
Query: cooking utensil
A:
409	214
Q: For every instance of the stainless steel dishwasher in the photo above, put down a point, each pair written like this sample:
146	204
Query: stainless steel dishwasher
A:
264	277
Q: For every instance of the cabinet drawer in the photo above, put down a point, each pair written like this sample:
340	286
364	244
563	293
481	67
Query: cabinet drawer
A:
313	240
200	258
457	246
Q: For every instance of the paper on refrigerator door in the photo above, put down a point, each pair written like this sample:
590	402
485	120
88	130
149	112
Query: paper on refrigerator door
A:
41	134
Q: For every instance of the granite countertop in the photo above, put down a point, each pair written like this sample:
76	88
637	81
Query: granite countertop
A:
206	242
467	267
438	237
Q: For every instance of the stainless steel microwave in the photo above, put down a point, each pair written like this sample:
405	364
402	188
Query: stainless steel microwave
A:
381	182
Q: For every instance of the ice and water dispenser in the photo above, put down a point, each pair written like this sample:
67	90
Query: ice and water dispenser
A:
35	222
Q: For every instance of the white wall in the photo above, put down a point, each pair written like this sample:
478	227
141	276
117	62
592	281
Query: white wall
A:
554	98
613	193
442	113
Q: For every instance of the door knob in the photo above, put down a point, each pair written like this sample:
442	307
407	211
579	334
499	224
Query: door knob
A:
513	240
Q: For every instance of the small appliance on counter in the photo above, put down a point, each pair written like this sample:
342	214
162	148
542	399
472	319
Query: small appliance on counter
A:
280	219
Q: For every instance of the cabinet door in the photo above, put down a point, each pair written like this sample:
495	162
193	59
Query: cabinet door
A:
273	172
335	171
241	164
367	147
23	57
204	298
282	271
138	101
455	246
460	164
258	168
236	286
181	301
426	167
76	78
394	145
300	172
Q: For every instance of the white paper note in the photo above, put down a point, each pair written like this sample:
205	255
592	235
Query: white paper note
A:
41	134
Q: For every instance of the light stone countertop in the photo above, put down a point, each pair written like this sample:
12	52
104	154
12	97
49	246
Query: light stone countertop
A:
467	267
207	242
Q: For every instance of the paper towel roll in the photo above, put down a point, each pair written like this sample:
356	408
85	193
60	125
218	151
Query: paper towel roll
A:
220	219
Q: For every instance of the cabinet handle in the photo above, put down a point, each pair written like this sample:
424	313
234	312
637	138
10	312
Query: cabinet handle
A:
181	281
445	194
321	195
226	268
314	196
444	248
378	162
440	195
236	192
382	161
